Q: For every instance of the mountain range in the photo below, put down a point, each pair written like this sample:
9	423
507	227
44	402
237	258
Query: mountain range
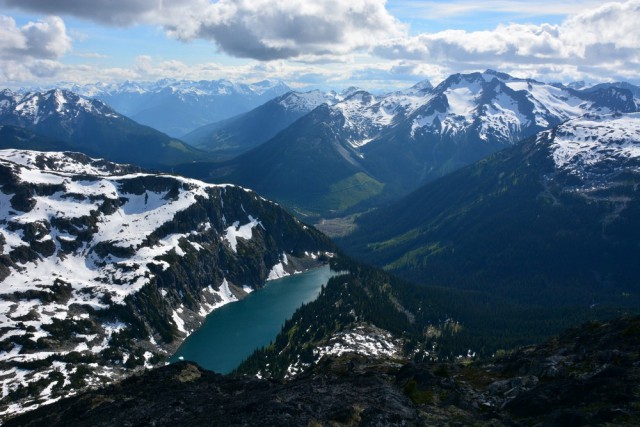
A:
72	122
506	210
552	220
177	107
372	149
105	268
234	136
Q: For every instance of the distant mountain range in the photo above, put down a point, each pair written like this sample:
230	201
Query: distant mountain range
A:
635	90
553	220
367	149
105	269
239	134
177	107
68	121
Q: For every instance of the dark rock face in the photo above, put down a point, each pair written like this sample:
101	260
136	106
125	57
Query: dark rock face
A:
185	394
587	376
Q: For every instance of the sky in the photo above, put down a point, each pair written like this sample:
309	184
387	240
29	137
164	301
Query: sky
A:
373	44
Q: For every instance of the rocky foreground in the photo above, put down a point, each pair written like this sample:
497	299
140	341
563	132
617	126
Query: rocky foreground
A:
587	376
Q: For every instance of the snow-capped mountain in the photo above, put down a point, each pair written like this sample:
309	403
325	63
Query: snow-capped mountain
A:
234	136
304	102
104	268
499	109
177	107
595	149
496	107
387	145
398	141
367	115
33	108
561	206
635	90
92	127
469	116
489	107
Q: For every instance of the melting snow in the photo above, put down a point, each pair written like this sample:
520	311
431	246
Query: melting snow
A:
305	101
222	296
278	271
236	231
462	100
583	143
364	340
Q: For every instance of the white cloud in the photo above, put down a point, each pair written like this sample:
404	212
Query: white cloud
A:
45	39
111	12
257	29
599	42
30	52
330	41
91	55
442	10
613	24
268	29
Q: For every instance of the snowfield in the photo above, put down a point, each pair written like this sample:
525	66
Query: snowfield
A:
583	144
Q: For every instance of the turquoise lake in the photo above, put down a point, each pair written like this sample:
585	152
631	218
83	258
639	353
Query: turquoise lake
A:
231	333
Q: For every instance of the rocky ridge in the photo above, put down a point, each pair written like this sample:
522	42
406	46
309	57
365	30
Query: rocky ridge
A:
586	376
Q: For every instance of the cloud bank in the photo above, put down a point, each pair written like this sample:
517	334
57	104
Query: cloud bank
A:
109	12
601	43
32	50
257	29
606	38
46	39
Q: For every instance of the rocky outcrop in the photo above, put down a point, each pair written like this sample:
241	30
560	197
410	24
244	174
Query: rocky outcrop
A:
334	393
587	376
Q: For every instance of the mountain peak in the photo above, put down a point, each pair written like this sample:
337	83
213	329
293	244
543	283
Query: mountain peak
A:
304	101
423	86
361	96
177	107
500	75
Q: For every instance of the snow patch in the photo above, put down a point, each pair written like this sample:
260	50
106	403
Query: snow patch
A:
236	231
363	340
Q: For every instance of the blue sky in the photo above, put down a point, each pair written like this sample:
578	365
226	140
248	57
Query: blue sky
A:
330	43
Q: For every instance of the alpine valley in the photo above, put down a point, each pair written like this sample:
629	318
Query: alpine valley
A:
234	136
479	223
